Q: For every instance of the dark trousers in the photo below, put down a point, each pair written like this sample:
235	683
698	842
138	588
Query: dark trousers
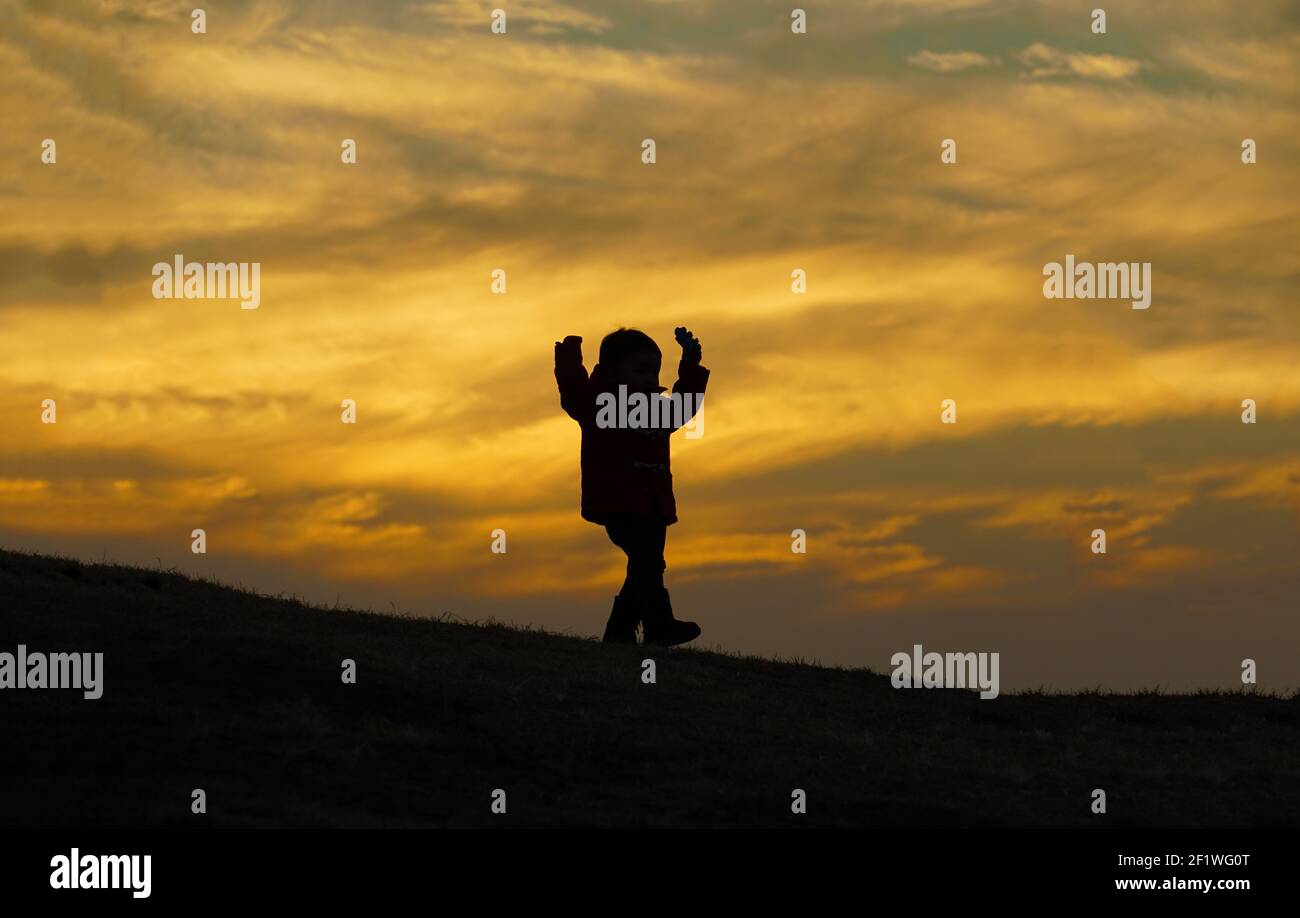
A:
642	540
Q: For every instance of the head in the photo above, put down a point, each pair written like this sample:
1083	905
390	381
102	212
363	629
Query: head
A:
631	358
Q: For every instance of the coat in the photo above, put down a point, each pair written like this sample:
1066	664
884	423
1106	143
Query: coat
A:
624	470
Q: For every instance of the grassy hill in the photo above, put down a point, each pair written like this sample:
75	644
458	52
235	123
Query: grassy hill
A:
211	687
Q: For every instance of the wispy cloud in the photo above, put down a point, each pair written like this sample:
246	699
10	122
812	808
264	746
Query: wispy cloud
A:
1046	61
950	61
539	17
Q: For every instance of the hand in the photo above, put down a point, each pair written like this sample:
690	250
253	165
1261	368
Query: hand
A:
572	344
691	350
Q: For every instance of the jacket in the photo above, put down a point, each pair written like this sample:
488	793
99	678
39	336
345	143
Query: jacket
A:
624	470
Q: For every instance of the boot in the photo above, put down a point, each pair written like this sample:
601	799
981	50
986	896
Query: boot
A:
661	628
621	627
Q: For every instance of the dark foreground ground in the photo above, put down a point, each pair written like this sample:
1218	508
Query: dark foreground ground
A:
210	687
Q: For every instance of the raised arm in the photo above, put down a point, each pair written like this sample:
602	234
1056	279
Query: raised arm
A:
692	378
571	376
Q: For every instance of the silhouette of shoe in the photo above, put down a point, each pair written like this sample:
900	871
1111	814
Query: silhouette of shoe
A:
621	627
661	628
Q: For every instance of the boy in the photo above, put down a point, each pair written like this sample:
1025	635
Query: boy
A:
627	485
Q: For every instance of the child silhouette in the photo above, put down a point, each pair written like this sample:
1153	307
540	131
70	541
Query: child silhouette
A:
627	484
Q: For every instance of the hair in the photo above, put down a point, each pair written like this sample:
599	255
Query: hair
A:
619	344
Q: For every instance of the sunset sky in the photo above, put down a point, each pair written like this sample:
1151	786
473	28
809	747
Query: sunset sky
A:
775	151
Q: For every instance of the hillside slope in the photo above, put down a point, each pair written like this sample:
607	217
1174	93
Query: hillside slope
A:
210	687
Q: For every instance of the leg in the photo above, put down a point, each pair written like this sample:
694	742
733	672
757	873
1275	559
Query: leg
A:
642	541
644	544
